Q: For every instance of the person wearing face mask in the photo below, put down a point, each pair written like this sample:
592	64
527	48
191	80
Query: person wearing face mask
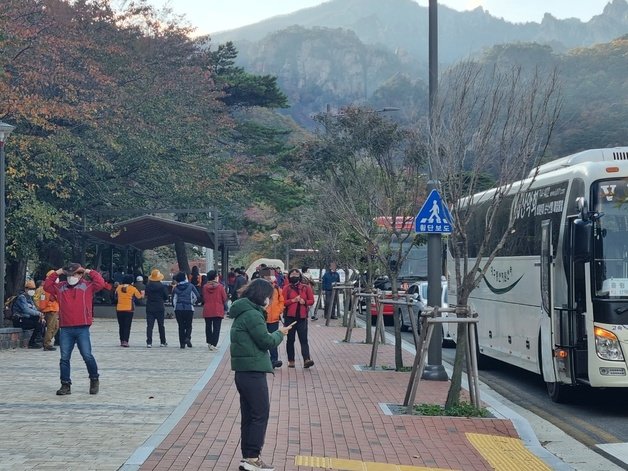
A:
298	297
250	342
274	309
75	296
26	316
49	307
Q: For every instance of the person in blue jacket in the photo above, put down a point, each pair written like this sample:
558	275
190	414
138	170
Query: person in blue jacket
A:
26	316
330	277
184	296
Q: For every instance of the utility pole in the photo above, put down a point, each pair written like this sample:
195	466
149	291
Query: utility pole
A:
434	369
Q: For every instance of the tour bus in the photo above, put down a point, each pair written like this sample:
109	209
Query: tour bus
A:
555	299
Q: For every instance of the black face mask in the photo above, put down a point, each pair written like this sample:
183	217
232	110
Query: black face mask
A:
294	280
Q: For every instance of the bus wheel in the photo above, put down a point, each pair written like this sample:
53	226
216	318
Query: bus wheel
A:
558	392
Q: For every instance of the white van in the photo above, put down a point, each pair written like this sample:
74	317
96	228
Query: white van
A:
269	262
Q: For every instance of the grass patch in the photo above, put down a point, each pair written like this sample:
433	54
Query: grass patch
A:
463	409
403	369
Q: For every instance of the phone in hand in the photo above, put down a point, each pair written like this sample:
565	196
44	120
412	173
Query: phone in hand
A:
292	324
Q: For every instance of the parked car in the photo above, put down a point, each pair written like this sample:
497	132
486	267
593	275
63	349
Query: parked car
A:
419	291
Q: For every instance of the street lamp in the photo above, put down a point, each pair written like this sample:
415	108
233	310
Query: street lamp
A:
5	130
275	238
434	370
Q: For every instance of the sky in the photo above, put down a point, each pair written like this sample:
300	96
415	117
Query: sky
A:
210	16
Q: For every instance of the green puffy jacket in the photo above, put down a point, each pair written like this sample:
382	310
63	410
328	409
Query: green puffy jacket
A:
250	340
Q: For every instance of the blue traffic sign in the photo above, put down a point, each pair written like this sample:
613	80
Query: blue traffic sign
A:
434	217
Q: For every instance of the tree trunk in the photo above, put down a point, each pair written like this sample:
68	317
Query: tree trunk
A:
453	396
182	256
15	276
397	323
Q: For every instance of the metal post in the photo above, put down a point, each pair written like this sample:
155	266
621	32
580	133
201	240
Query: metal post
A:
5	130
434	369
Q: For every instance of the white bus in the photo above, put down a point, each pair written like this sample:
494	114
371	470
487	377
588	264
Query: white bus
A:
555	299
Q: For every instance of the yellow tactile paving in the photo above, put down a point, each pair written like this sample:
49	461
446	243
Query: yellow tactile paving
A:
505	453
355	465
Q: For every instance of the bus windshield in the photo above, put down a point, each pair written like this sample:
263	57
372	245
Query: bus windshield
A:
610	238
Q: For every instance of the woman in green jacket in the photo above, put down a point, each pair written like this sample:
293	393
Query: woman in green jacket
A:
250	342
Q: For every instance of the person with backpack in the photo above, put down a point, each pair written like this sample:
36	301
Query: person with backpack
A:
298	297
48	305
184	296
76	312
156	296
26	316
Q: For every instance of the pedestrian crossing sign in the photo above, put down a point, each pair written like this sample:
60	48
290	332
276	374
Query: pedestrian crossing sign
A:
434	217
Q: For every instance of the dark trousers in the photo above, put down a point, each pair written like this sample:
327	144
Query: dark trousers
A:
184	319
151	317
125	319
212	330
331	311
301	329
274	354
255	409
30	323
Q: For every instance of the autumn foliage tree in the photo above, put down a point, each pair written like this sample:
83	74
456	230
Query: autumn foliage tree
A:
113	110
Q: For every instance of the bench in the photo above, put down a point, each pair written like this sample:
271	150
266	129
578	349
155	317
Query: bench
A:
12	337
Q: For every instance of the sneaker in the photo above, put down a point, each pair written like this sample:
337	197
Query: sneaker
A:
165	344
277	364
308	363
314	318
189	343
255	464
49	348
125	344
290	364
149	345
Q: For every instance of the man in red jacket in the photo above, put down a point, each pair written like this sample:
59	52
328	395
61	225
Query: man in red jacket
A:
75	296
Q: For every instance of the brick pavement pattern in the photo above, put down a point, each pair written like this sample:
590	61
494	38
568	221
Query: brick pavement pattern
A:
331	410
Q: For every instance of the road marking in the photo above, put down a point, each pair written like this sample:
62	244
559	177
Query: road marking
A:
617	450
355	465
505	453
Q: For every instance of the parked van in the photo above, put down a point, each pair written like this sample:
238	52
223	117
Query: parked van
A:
269	262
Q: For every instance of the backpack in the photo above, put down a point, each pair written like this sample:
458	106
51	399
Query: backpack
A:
8	308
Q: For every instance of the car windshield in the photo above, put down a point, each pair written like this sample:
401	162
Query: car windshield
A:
610	238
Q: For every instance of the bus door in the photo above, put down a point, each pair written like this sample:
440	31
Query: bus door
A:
569	360
547	342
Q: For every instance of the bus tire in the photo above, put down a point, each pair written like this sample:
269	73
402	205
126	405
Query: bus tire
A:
556	391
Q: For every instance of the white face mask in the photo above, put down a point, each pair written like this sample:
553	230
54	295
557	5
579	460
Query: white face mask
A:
31	292
266	302
273	278
72	280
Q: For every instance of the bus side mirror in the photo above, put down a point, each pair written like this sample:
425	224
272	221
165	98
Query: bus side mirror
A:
582	233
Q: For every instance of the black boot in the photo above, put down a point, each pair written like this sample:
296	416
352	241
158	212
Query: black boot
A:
94	384
65	389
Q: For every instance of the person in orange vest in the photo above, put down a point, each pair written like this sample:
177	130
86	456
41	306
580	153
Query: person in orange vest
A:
273	313
47	304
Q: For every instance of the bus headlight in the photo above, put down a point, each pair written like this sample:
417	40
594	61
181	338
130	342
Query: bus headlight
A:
607	345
